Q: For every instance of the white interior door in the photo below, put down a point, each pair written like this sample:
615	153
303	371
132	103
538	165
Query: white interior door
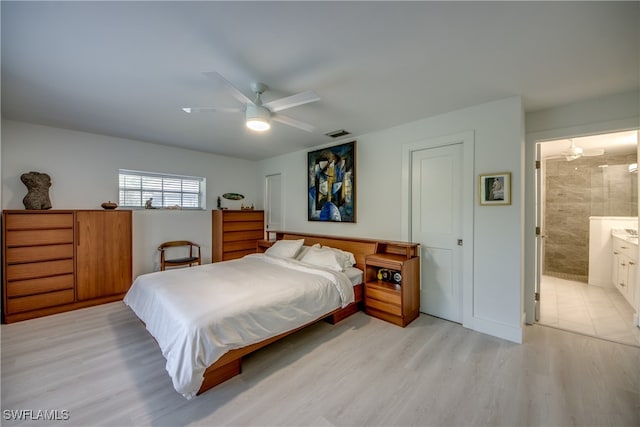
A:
436	223
274	208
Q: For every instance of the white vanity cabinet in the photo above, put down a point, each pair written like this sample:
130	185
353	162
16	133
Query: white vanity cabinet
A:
625	256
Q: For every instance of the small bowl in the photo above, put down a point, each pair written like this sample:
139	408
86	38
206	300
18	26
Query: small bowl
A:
109	205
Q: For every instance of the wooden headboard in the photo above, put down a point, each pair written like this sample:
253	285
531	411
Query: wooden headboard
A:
358	247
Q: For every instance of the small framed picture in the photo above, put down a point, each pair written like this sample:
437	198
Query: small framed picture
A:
495	189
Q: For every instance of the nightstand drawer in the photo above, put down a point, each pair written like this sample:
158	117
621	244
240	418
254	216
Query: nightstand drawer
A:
383	306
391	261
383	295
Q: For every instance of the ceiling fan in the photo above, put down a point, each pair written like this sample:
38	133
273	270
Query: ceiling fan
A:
574	152
259	115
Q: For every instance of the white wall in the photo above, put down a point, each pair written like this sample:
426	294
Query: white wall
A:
594	116
498	129
84	173
583	114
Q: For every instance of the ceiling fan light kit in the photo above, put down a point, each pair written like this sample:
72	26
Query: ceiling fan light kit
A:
573	152
258	116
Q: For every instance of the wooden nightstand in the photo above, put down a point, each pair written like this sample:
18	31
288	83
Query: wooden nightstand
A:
398	303
262	245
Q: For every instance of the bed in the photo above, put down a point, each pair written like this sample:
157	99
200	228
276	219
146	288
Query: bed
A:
206	318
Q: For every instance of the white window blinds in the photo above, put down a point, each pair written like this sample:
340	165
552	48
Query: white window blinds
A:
161	190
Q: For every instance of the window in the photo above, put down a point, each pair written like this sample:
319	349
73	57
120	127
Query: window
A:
163	190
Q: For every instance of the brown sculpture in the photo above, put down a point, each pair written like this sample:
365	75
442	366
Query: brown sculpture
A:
38	190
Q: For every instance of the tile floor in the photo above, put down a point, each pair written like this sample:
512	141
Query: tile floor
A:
591	310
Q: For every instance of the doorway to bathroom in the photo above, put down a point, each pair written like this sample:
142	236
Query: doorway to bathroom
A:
587	191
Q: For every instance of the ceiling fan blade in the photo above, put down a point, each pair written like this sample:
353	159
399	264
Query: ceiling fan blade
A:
293	122
237	94
211	110
593	152
292	101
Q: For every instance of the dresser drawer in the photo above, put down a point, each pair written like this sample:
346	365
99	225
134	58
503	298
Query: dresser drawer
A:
382	306
240	245
34	302
228	256
20	288
244	225
34	270
39	237
39	221
243	216
383	295
235	236
39	253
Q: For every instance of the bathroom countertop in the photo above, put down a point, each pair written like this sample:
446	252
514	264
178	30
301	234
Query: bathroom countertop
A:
630	236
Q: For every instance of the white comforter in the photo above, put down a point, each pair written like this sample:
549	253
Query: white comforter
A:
197	314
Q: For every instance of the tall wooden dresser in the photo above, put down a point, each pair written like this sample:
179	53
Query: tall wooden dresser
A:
61	260
235	233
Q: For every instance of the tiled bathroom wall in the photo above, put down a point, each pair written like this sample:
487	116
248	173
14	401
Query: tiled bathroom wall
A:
574	191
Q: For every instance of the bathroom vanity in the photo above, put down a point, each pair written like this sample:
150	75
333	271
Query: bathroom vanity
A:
601	246
625	263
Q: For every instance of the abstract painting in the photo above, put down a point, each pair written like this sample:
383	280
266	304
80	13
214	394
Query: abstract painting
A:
332	183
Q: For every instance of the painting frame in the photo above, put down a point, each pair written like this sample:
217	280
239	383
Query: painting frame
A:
494	189
331	183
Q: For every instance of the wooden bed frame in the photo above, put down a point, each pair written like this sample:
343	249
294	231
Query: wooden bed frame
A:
230	364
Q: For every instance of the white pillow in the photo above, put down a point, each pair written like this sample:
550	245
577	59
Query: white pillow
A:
304	249
346	259
285	248
322	257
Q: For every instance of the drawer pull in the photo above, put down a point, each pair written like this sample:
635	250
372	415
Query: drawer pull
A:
615	253
622	284
632	263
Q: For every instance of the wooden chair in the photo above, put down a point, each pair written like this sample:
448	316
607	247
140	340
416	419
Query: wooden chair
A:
190	260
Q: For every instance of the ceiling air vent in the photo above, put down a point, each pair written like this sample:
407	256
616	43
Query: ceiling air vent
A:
338	133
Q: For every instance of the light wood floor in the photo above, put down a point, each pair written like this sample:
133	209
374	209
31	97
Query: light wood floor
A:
102	366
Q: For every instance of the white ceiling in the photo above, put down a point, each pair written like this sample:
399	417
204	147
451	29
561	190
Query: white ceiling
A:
125	69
